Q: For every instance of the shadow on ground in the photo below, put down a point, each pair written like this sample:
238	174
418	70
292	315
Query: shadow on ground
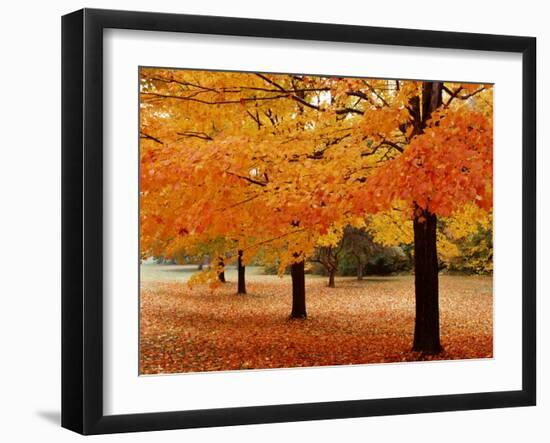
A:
53	417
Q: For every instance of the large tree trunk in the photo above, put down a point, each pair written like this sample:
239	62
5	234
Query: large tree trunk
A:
221	273
426	284
426	279
241	283
331	275
298	290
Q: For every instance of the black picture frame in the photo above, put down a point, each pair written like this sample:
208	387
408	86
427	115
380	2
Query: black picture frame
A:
82	218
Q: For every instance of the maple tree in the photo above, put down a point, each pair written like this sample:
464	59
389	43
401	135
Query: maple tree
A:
447	164
278	163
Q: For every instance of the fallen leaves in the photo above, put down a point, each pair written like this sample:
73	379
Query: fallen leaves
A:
359	322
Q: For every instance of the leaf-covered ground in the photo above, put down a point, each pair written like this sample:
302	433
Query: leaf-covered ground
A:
369	321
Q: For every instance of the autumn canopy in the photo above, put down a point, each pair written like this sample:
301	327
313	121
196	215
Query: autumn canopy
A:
272	167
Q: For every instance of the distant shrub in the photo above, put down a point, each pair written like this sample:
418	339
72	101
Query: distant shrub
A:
476	254
390	260
385	261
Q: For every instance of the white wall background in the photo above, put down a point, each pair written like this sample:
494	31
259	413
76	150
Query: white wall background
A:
30	220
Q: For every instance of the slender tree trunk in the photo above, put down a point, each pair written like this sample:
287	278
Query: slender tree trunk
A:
241	283
221	274
298	290
359	269
426	284
331	275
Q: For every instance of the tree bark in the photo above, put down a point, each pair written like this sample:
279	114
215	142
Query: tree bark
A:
241	283
221	274
331	281
298	290
426	284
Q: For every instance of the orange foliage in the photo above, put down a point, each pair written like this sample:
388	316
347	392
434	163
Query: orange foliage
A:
443	169
275	161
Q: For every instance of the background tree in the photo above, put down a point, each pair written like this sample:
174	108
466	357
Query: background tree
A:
358	243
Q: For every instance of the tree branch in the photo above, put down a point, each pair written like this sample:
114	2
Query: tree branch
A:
201	135
248	179
150	137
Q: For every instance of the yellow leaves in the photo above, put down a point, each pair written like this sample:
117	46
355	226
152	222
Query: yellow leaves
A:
356	222
446	249
331	238
252	157
391	228
454	236
207	276
468	220
471	231
381	123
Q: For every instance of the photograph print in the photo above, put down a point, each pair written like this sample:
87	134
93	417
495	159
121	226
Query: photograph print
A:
296	220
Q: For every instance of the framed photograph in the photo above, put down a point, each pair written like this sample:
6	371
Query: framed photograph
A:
269	221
